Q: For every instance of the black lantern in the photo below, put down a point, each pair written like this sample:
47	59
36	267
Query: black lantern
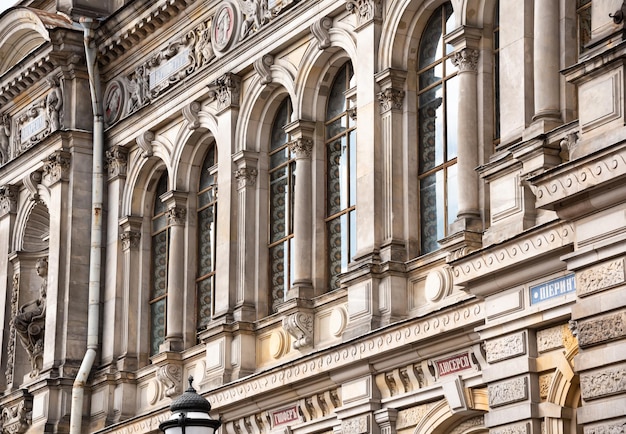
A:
190	415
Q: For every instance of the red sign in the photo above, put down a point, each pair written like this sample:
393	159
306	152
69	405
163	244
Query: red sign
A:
285	416
457	363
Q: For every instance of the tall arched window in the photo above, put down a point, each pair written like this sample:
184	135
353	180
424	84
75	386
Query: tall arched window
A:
438	90
160	251
281	190
340	178
207	219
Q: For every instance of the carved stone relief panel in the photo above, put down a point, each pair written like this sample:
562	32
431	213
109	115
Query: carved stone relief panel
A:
555	337
601	329
508	392
356	425
506	347
16	417
613	427
600	277
545	380
602	383
412	416
521	428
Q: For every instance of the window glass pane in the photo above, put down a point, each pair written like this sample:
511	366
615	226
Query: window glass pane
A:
278	206
450	25
205	302
157	325
206	233
352	158
159	206
337	99
452	194
334	155
159	265
431	76
352	234
431	129
431	44
452	115
428	214
277	275
584	24
279	137
206	178
334	252
334	128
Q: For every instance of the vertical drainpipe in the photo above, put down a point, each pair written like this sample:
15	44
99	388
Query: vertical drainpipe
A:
95	257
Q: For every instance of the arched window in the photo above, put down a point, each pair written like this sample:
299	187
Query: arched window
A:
207	219
438	90
281	190
340	178
160	253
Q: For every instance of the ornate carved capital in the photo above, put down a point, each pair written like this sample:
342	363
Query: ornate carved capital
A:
8	199
390	99
130	239
302	147
466	60
320	30
17	416
262	67
117	161
245	177
300	326
176	216
225	90
365	10
57	167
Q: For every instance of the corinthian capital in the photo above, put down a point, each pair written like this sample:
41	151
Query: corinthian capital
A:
302	147
390	99
466	60
8	199
225	90
365	10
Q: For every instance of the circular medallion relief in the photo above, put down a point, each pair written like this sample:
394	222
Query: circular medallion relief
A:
225	22
113	102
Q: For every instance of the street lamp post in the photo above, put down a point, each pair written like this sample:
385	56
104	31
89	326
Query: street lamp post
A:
190	415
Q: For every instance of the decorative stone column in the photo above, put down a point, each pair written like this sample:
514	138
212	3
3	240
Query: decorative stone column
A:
8	289
386	420
176	203
246	175
127	309
468	215
302	146
391	99
546	64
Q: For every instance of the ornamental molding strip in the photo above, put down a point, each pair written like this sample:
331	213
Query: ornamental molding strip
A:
21	80
320	363
528	246
300	326
562	183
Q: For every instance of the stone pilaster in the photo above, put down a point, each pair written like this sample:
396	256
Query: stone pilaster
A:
176	203
302	146
386	420
246	175
127	349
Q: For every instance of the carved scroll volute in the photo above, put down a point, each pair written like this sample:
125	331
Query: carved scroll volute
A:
262	67
144	140
300	326
321	31
191	113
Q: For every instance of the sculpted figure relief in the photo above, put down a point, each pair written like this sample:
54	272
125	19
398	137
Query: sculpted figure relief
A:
257	14
54	103
5	134
29	322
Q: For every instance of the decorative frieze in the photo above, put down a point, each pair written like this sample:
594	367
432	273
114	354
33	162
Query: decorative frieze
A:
117	161
607	382
8	199
300	326
57	167
321	30
508	392
225	91
355	425
466	60
601	277
171	378
365	11
555	337
302	148
390	99
601	329
506	347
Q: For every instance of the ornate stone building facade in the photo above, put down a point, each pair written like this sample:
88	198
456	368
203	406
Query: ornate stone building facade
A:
361	216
